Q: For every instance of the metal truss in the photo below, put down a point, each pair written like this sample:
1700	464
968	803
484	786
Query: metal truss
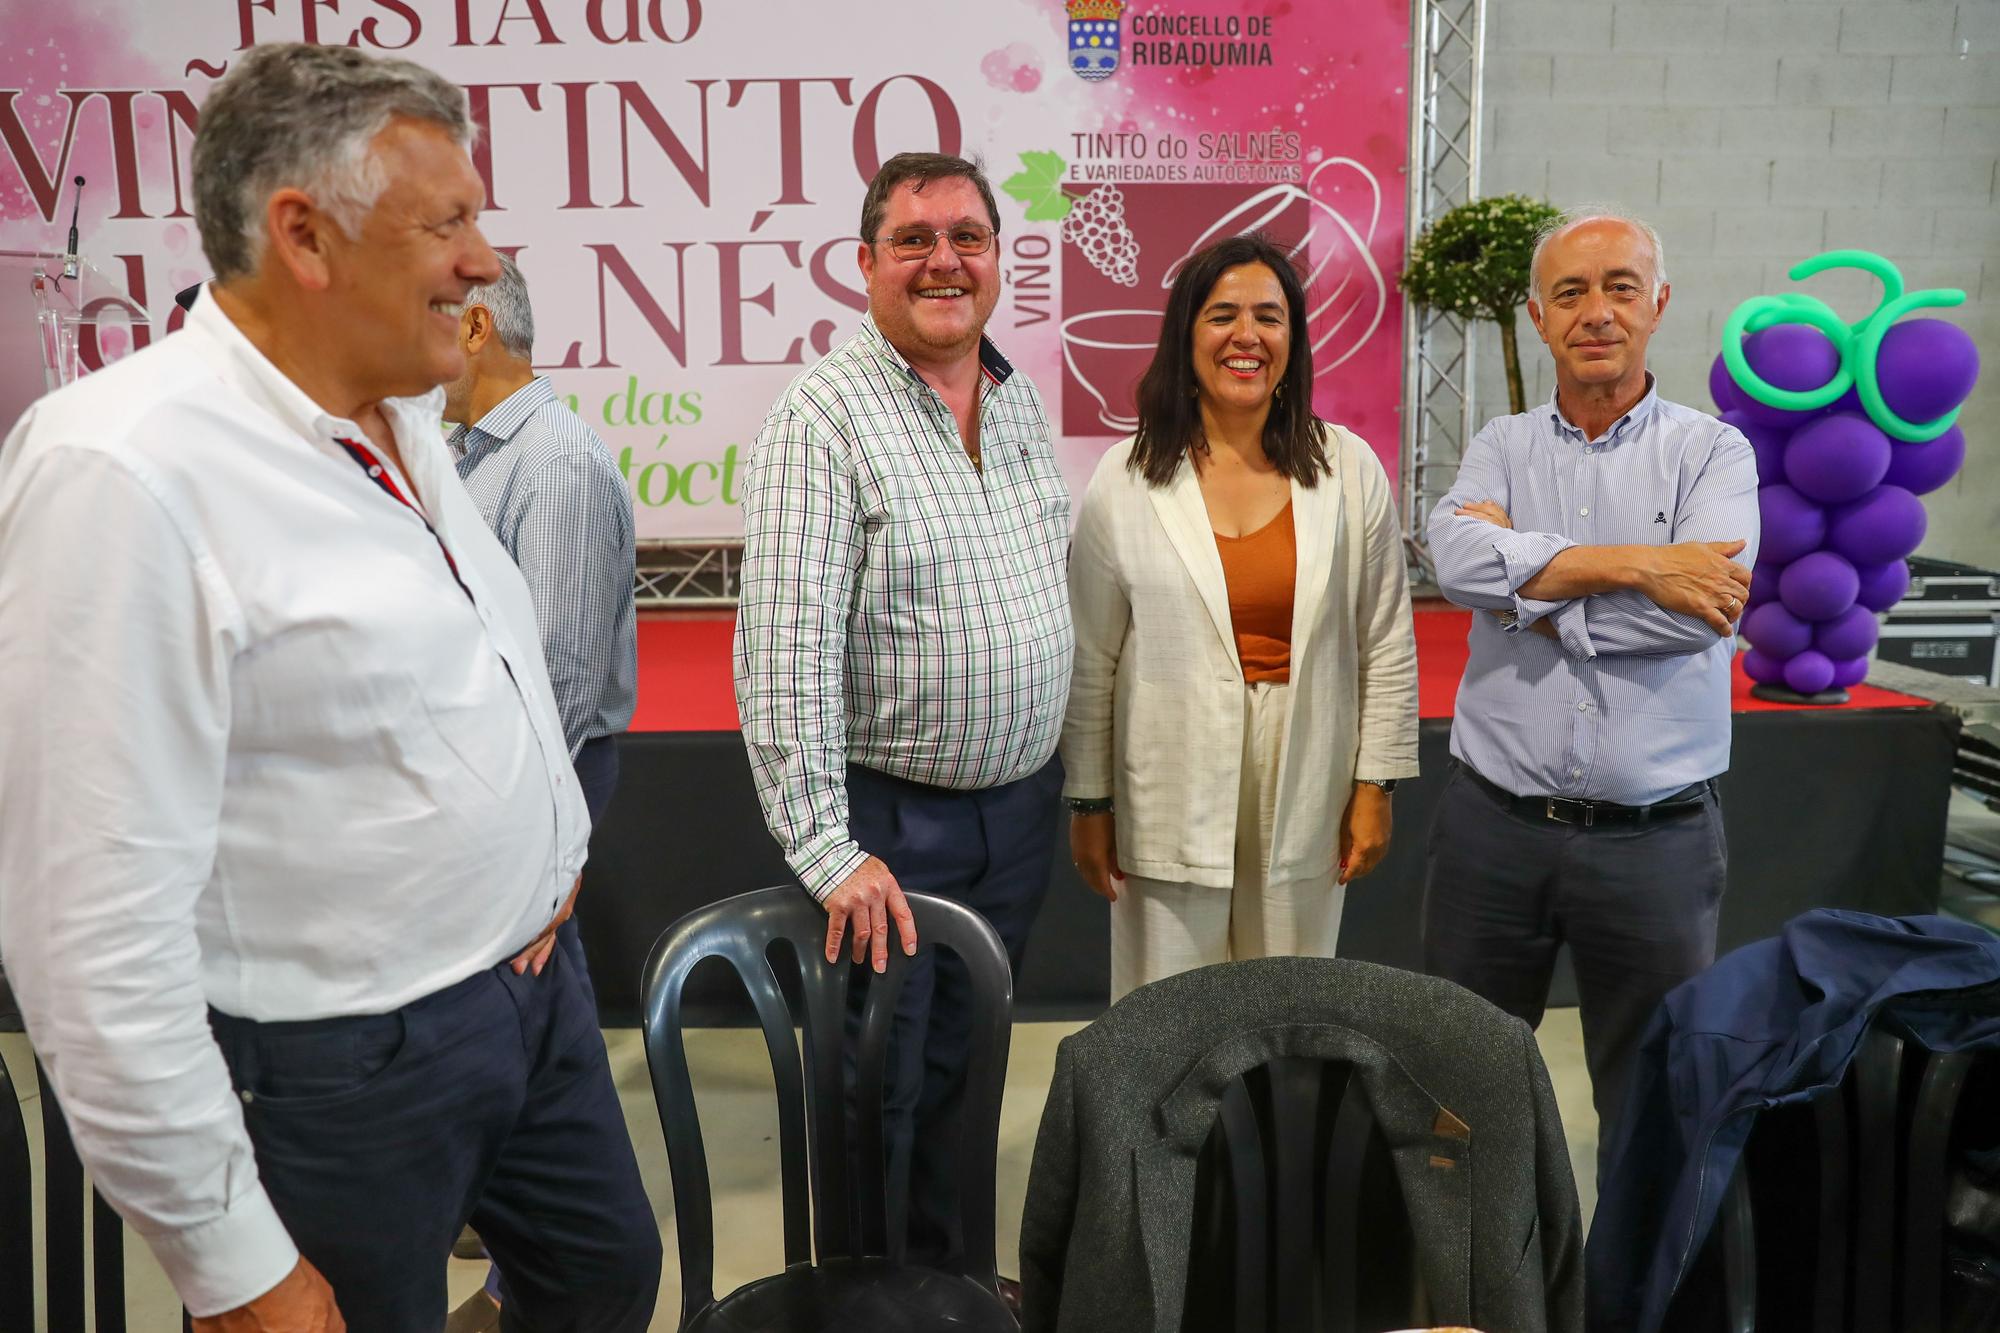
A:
1447	59
688	574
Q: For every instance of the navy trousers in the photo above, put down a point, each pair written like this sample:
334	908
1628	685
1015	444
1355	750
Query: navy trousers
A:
987	849
596	766
379	1137
1637	904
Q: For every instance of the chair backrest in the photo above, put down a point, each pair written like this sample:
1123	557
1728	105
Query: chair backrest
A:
1872	1159
842	1178
64	1192
1299	1222
17	1212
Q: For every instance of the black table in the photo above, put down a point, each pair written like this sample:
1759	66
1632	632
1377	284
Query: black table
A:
1833	808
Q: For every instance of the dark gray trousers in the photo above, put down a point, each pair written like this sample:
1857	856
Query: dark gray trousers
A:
1636	903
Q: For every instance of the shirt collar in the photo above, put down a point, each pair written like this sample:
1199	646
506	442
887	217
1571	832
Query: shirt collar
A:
512	412
245	367
995	367
1637	416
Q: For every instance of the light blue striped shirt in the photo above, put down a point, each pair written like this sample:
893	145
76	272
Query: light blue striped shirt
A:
1633	704
552	493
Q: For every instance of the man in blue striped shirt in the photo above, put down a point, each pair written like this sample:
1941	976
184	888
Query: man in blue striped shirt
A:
1607	535
552	493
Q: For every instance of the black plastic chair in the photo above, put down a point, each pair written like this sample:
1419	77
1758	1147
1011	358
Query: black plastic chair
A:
17	1211
1817	1173
70	1273
843	1268
1873	1159
1299	1222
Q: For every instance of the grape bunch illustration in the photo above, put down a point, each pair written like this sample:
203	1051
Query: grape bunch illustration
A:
1096	226
1850	424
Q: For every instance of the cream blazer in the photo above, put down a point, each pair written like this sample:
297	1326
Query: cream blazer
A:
1156	711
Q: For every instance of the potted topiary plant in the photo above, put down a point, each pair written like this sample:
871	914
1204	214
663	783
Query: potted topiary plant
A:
1473	263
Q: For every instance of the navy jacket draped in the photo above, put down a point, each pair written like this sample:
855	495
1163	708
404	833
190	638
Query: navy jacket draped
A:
1773	1023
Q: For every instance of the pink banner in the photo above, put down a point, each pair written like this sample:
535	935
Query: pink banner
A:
682	182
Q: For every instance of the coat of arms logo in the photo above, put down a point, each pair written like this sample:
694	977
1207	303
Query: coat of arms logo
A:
1093	37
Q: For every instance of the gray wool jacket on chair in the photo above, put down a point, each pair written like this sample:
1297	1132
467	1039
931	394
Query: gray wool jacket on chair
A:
1458	1087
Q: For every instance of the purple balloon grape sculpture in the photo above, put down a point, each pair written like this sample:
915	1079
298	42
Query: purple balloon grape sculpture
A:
1850	424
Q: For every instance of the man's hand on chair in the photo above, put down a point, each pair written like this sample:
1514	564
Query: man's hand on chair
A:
859	910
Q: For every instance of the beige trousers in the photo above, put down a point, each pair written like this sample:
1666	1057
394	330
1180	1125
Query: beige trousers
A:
1159	927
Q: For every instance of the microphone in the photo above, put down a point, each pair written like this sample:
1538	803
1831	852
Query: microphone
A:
70	265
69	261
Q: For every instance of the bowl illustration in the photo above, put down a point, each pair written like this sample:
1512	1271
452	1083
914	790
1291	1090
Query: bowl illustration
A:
1106	352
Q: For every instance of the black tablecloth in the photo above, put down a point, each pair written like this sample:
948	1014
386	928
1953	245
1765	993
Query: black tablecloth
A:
1840	808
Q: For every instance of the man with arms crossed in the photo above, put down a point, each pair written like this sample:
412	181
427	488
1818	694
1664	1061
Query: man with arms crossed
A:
1610	534
903	643
287	823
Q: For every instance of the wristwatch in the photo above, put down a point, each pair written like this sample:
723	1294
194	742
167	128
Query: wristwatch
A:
1089	805
1386	784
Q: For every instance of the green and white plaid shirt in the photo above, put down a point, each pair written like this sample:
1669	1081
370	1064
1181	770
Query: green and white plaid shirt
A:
901	609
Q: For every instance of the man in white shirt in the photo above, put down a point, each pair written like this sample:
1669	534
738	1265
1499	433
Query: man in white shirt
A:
287	821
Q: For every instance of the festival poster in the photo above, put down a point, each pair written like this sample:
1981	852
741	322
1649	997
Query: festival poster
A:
681	182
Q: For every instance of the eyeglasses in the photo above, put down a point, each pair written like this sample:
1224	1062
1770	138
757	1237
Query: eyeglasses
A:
912	243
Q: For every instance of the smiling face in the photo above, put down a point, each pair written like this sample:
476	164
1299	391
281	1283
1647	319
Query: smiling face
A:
393	290
1242	340
934	309
1597	310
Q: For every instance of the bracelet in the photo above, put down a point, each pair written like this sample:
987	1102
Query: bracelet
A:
1387	785
1089	805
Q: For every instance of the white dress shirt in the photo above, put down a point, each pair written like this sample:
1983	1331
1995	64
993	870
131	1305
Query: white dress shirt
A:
259	749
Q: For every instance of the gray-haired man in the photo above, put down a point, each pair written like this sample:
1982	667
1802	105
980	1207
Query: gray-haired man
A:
553	495
287	820
1610	534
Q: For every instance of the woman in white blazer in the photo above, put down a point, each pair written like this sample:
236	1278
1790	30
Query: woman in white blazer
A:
1245	691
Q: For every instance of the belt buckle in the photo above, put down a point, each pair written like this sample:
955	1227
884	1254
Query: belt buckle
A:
1555	815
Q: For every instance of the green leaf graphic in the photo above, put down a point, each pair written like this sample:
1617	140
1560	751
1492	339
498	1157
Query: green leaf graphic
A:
1039	185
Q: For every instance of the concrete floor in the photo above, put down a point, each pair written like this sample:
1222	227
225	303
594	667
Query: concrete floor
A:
734	1093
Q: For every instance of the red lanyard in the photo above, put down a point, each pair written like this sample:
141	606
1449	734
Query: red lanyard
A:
365	459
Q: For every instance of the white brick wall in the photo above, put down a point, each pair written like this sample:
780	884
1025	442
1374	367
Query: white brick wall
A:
1754	134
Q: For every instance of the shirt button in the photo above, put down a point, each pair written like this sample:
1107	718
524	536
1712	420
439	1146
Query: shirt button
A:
1584	512
1583	708
375	469
1576	772
247	1096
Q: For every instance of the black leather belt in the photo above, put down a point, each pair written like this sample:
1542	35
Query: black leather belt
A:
1590	814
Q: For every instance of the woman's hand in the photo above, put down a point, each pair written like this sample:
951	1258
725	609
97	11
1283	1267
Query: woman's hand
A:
1093	846
1364	831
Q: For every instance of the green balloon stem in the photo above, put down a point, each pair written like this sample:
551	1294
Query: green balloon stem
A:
1859	344
1868	346
1868	262
1763	312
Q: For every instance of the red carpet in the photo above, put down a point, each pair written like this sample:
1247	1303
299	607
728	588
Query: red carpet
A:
684	672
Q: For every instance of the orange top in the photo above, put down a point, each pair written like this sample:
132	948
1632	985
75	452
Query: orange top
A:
1260	569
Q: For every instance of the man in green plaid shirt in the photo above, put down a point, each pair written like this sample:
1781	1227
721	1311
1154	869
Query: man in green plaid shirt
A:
903	642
